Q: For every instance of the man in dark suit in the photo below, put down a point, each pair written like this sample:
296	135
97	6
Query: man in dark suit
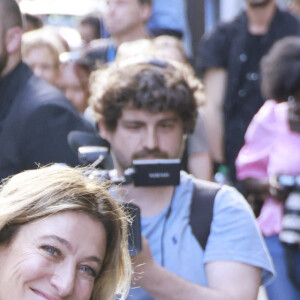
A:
35	118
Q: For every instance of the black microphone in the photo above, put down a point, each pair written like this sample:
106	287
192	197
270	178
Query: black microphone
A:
78	139
88	146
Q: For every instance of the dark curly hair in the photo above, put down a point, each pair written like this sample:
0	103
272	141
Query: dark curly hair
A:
281	70
152	85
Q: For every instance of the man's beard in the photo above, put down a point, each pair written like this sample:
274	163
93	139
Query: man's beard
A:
259	4
125	163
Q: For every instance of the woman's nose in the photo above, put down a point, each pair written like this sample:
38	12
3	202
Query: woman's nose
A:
64	280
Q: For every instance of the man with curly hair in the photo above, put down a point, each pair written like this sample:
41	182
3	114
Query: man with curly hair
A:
145	109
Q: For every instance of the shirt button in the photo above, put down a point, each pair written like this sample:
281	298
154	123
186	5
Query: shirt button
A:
242	93
252	76
243	57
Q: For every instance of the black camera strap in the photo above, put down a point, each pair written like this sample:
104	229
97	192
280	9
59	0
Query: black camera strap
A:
202	207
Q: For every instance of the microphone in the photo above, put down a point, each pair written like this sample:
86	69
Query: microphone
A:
88	146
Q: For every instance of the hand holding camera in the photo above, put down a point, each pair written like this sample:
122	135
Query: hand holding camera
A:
278	186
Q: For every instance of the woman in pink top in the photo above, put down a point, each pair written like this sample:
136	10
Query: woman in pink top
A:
272	147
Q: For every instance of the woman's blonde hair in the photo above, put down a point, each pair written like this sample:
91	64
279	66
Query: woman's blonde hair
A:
45	37
48	190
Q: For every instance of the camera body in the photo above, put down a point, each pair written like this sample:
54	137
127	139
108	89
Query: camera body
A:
152	172
156	172
290	233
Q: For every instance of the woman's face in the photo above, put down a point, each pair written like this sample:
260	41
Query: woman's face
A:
54	258
43	63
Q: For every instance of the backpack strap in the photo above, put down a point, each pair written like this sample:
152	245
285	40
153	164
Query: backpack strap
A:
202	207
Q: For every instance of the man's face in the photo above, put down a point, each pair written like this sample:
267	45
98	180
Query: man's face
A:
123	16
258	3
3	51
143	135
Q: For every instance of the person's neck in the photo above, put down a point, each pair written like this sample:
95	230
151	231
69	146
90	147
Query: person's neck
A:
151	200
13	61
136	34
260	17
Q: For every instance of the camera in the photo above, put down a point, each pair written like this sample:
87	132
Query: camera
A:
290	233
156	172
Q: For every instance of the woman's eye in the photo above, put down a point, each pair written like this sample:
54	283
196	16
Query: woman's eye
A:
51	250
89	271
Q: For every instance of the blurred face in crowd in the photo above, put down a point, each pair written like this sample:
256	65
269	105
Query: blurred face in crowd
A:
257	3
143	135
74	84
43	63
87	32
56	257
124	16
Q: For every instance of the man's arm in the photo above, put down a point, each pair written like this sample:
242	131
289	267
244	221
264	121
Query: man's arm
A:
227	280
215	80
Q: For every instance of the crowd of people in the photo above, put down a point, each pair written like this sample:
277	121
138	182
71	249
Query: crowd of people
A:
168	126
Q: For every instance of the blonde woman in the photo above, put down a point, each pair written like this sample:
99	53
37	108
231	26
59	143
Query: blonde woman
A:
41	49
62	236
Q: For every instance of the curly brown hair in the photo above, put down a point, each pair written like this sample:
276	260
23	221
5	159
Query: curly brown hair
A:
150	84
